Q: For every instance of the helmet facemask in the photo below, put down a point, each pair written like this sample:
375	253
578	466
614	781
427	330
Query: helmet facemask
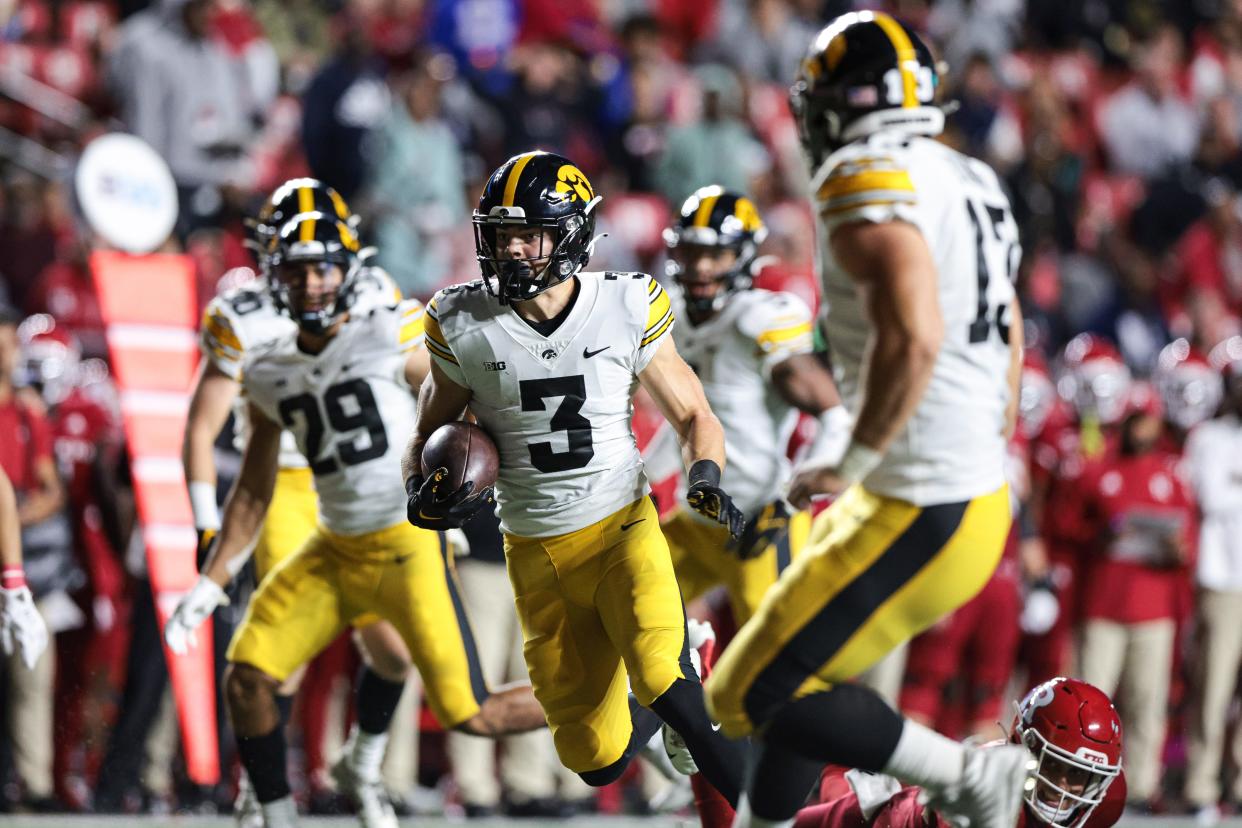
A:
288	276
1068	787
555	259
686	245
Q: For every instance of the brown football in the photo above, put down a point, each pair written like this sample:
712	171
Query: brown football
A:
466	451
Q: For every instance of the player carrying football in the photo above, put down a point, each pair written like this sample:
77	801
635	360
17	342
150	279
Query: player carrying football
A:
547	357
752	351
341	382
917	250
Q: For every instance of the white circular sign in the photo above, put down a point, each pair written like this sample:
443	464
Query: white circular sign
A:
126	192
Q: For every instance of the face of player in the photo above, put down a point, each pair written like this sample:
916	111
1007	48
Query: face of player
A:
531	244
1068	778
703	269
1141	433
312	286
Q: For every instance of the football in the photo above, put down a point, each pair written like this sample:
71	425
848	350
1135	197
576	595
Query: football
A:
466	451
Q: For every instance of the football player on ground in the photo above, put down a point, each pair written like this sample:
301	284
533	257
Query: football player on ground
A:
918	248
341	382
752	351
243	321
547	357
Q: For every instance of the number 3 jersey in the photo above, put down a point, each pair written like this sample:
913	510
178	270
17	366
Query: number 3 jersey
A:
349	409
953	446
558	407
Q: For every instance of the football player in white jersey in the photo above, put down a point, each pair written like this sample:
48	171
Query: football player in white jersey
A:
752	351
917	252
243	320
547	357
341	381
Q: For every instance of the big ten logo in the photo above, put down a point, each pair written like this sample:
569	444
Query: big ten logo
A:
570	179
494	366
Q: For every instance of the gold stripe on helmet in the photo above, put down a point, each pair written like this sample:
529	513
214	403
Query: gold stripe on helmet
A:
906	56
835	51
348	239
515	175
703	215
306	231
306	200
338	203
747	214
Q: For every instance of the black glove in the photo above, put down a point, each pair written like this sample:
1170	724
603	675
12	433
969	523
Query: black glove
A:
206	537
429	507
707	498
763	530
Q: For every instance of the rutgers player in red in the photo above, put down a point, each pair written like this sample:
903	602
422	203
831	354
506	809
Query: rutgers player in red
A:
1189	387
1094	382
86	437
1071	729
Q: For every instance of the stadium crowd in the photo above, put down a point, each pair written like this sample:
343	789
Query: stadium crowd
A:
1116	126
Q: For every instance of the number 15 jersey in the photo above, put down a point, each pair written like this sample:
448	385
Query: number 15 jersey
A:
953	447
558	407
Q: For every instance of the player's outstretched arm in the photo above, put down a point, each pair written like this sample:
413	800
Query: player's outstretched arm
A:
210	403
417	365
680	398
895	275
1016	343
21	626
243	515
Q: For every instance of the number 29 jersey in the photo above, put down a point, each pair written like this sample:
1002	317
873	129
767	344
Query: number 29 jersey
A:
558	407
953	446
349	409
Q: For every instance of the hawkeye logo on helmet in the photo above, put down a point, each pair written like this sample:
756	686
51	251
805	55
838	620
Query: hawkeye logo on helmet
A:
571	181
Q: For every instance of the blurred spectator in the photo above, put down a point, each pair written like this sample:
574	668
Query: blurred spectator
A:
966	27
1143	517
188	97
416	181
763	39
1132	316
345	100
26	457
28	236
1214	467
1147	126
66	292
717	149
479	34
300	33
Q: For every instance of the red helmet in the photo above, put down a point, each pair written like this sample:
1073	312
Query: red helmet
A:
1074	733
1037	395
1190	388
50	357
1094	378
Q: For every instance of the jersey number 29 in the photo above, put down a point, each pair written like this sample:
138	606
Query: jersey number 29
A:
350	405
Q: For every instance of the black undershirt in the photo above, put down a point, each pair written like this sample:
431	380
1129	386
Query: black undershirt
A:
549	326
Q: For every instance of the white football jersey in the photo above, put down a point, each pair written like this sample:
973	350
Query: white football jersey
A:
734	353
349	409
952	448
558	407
240	320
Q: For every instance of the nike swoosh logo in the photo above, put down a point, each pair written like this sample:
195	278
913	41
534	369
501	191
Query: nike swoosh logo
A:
587	353
715	725
625	526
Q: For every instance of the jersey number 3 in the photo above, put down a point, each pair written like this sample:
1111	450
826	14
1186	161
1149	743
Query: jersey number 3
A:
350	405
567	418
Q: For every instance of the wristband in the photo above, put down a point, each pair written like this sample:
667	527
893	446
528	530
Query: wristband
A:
857	462
705	471
12	577
203	504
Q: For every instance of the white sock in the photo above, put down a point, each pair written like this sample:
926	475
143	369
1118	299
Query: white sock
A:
926	758
280	813
367	752
745	817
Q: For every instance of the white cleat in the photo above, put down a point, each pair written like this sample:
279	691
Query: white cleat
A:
678	753
368	795
990	794
246	810
282	813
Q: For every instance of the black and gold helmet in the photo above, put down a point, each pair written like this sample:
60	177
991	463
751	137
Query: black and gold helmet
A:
297	195
865	72
318	238
718	218
538	190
